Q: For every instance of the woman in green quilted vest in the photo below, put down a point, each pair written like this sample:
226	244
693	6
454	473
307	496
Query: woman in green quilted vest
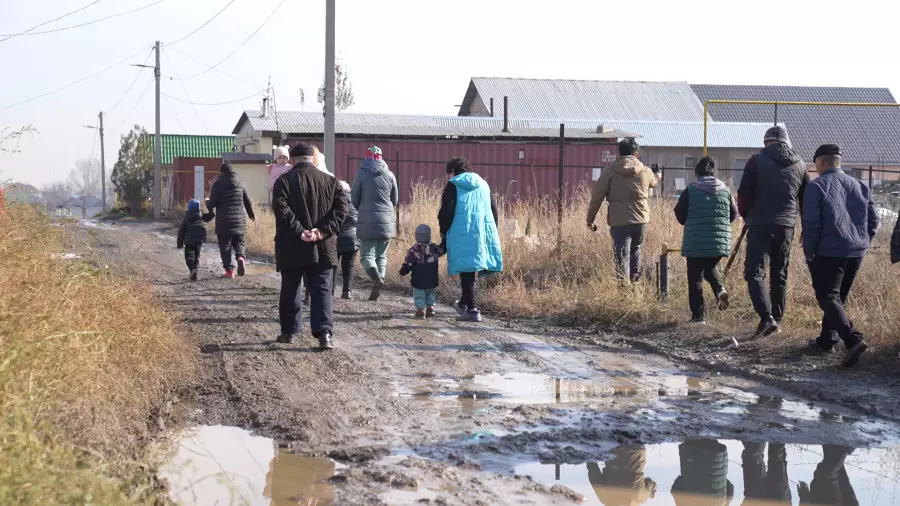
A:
706	209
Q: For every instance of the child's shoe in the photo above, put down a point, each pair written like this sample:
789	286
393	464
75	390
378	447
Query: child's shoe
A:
347	295
460	308
430	312
420	313
193	274
229	273
241	267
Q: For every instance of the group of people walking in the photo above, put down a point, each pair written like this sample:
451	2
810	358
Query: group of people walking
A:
838	216
323	223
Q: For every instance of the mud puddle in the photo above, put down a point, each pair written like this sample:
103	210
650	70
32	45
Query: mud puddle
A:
709	471
216	465
534	388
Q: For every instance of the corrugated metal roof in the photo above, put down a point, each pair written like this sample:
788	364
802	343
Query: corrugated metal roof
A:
868	135
193	146
560	98
395	125
690	133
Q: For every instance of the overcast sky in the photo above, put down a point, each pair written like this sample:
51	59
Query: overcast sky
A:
404	56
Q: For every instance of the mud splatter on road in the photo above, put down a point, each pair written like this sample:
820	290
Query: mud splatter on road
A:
432	411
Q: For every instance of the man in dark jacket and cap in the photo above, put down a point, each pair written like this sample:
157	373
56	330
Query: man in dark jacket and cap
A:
769	198
310	206
229	201
839	223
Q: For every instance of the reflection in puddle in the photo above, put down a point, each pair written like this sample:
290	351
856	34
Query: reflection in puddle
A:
255	269
530	388
711	472
217	465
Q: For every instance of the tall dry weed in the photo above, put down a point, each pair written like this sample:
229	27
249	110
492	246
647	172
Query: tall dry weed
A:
86	360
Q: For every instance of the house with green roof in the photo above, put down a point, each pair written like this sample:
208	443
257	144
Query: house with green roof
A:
209	148
192	146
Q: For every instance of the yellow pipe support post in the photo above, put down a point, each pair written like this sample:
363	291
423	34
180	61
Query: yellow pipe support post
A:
705	124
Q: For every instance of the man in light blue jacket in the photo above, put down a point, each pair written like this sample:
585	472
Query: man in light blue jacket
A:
839	222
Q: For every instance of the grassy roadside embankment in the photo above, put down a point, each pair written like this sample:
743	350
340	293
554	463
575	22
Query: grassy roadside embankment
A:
573	283
87	362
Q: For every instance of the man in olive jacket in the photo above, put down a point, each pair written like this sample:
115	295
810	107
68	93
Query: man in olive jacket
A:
626	185
309	207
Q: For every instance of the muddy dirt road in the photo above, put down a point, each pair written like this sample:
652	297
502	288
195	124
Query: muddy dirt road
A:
406	411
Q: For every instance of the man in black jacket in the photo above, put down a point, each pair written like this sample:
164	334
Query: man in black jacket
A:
309	207
228	199
769	198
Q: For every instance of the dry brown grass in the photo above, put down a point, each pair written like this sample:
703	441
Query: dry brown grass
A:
86	360
574	283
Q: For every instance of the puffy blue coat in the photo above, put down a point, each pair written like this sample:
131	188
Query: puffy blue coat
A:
839	217
473	241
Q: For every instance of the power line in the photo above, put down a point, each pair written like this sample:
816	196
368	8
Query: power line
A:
136	104
136	77
64	28
35	27
183	87
260	27
214	104
210	20
226	74
172	112
83	79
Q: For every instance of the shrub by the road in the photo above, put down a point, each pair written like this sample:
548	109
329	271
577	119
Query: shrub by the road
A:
86	362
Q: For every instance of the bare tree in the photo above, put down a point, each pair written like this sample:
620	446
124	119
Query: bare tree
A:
85	178
343	88
9	136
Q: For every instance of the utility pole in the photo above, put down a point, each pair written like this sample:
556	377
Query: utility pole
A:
102	166
329	83
157	147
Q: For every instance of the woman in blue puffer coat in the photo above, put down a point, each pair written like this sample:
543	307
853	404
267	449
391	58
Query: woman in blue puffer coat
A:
468	222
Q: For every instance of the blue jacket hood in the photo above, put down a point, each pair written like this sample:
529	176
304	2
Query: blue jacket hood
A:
376	167
467	181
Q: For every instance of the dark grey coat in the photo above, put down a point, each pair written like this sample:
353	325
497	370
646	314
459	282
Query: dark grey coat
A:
772	187
231	204
347	241
305	198
375	195
192	231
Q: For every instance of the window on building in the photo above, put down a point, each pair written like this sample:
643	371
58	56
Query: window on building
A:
690	162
